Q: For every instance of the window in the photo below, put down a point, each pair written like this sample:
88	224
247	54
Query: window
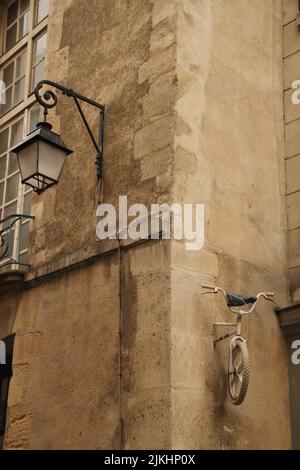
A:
6	372
14	197
39	50
17	20
14	79
23	43
34	117
23	52
41	10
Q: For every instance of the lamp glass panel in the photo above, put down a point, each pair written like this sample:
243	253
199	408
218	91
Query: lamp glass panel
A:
32	182
51	160
28	160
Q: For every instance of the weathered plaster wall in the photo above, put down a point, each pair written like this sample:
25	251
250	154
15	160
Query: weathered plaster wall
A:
229	156
66	391
292	146
146	346
123	54
65	387
71	388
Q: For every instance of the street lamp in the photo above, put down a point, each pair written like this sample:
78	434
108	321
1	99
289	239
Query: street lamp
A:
42	154
41	157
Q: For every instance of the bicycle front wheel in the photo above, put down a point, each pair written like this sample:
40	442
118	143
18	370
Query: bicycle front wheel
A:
238	379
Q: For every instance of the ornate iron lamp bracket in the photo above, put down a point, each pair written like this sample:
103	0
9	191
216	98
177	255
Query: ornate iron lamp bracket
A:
48	100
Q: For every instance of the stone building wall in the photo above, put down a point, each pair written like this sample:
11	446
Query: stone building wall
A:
72	386
292	146
229	134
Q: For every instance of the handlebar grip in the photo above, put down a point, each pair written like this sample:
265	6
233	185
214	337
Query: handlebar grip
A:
208	287
270	294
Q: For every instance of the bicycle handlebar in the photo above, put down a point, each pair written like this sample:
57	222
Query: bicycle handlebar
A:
215	290
209	287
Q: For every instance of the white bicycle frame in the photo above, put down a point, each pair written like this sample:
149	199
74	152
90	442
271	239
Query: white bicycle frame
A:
240	314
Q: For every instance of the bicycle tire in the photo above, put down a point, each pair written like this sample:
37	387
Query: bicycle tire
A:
240	374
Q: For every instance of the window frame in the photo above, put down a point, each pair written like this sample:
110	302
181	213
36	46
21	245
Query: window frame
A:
34	64
22	190
24	108
15	80
36	12
26	43
7	4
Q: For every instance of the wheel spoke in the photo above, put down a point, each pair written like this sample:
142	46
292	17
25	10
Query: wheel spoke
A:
232	380
237	358
239	377
234	384
234	357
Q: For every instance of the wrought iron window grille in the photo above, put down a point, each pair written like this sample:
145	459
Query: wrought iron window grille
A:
7	240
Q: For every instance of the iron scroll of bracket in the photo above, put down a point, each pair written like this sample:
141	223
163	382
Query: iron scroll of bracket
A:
48	100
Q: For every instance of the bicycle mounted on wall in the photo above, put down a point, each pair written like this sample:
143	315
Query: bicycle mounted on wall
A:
239	366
